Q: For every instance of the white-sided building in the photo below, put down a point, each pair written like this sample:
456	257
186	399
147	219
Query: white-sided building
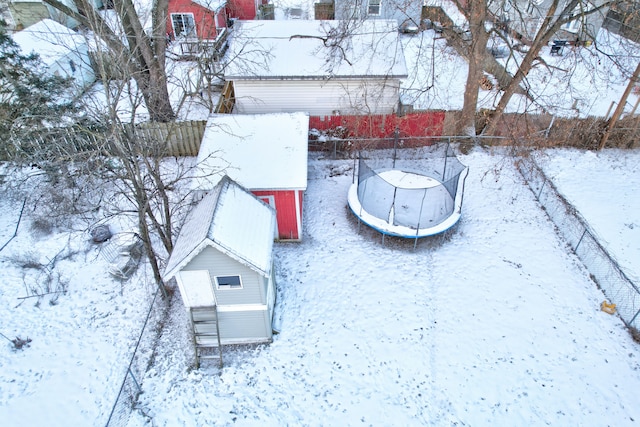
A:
63	51
318	67
404	12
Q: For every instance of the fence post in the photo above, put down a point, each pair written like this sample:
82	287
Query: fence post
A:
133	377
580	241
633	319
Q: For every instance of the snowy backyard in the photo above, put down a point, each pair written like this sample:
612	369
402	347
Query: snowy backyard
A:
494	324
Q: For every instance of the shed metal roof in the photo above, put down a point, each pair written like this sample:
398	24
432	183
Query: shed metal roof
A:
231	220
259	151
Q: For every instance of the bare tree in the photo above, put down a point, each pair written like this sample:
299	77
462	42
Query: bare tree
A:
476	14
556	16
140	54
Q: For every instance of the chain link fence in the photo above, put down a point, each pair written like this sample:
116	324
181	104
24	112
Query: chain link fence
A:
604	269
141	358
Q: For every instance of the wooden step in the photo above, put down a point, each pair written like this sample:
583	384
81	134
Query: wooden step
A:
206	333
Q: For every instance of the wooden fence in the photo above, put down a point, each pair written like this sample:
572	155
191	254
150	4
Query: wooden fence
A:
182	138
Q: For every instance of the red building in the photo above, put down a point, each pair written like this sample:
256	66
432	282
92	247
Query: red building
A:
204	19
244	9
201	19
271	163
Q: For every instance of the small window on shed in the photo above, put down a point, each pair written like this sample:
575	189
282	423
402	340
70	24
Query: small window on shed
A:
228	282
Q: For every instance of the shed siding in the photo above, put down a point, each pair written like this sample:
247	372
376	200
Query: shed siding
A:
287	212
219	264
238	327
366	96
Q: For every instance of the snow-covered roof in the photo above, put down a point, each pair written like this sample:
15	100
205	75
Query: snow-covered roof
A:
302	49
233	221
49	39
214	5
260	152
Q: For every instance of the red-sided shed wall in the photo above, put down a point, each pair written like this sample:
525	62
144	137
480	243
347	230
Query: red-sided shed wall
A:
288	211
204	18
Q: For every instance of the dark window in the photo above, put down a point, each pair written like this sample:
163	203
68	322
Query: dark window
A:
183	24
374	7
228	282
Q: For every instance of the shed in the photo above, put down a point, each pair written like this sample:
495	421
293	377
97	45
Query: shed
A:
266	153
301	65
223	260
63	51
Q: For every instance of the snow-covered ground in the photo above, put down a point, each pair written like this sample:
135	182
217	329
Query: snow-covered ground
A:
81	339
582	82
610	207
494	324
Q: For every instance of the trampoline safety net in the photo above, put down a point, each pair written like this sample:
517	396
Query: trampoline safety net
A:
424	195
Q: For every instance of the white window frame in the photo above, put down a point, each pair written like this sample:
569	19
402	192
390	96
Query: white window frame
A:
184	30
271	201
224	287
374	4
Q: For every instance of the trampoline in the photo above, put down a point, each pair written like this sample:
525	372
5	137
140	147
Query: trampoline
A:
410	198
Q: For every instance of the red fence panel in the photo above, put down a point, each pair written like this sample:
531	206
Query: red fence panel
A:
426	123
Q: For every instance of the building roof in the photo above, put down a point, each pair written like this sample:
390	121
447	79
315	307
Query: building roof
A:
231	220
49	39
303	49
259	151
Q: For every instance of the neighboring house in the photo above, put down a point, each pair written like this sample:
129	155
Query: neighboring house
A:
25	13
196	19
245	9
63	51
404	12
524	17
223	261
315	67
272	165
205	19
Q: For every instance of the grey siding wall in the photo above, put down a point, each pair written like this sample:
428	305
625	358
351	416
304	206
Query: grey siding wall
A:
237	327
400	10
219	264
25	14
318	98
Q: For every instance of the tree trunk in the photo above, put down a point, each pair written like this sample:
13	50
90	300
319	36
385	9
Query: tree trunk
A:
477	50
550	26
141	56
620	108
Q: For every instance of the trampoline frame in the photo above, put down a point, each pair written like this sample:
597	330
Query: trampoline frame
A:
383	226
